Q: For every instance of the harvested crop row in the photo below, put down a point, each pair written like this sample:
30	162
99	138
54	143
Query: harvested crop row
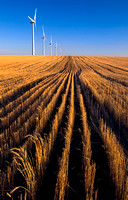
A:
117	161
62	179
9	107
45	114
33	77
111	96
100	71
43	148
114	63
32	107
89	166
109	106
14	94
66	119
107	71
57	67
7	120
98	153
106	90
13	135
51	137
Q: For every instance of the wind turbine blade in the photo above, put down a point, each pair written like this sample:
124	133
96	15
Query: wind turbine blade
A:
31	19
35	14
43	31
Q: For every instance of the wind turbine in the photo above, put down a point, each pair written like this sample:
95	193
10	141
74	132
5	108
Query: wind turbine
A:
56	48
51	47
33	22
44	38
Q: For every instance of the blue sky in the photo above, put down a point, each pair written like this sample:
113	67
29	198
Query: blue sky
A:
82	27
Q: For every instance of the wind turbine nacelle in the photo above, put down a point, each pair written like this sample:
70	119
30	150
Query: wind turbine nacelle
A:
32	22
44	38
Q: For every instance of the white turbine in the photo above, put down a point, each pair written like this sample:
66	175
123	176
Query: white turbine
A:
33	22
44	38
51	47
56	48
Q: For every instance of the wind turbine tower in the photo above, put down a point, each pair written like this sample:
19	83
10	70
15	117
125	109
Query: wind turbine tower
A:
56	48
44	38
33	22
51	47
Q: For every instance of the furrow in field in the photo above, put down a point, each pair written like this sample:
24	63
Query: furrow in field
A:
30	108
42	64
110	66
11	138
89	167
66	119
62	178
56	66
117	161
21	61
45	114
43	146
8	120
116	63
33	121
110	103
14	94
102	75
111	95
14	104
75	172
118	125
53	146
102	178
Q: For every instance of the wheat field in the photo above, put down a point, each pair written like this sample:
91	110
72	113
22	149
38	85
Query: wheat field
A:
63	128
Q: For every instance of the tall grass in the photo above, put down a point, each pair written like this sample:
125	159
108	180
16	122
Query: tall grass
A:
25	165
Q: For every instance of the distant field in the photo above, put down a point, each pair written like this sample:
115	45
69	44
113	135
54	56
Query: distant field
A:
63	128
